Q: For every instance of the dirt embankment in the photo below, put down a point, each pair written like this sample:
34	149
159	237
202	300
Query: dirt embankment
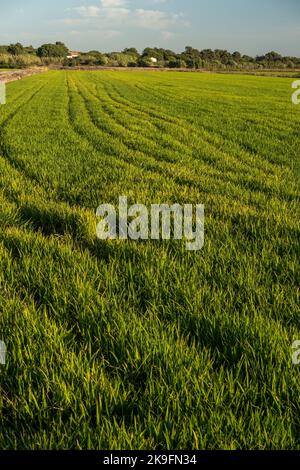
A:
19	74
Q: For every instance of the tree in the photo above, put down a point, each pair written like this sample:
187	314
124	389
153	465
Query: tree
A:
53	50
208	54
177	63
130	51
153	52
94	58
169	55
273	56
30	50
15	49
237	56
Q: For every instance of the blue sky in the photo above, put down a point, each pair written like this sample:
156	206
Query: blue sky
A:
250	26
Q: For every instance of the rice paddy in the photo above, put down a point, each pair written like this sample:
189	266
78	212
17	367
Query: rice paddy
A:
141	344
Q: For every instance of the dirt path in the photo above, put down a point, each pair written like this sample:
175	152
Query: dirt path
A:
19	74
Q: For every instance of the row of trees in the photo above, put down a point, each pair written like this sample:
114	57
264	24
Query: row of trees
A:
191	58
16	55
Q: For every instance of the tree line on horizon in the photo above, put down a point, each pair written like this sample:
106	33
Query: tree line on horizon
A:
17	55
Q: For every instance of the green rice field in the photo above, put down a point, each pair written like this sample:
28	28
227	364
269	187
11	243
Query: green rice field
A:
141	344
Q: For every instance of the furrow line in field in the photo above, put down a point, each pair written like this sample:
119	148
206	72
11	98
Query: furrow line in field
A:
214	183
105	150
253	160
231	170
4	146
229	176
8	192
159	145
273	121
210	136
169	166
139	164
249	184
8	109
12	110
251	157
155	168
205	136
252	193
160	161
263	169
180	181
123	132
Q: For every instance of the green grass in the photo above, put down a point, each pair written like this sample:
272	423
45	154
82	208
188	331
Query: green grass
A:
278	73
136	345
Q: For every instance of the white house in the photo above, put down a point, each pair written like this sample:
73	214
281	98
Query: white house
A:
73	55
153	60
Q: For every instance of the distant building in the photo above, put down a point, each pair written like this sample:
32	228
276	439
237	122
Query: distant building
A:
153	60
73	55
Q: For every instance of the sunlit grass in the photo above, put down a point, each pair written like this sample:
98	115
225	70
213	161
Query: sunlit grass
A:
142	344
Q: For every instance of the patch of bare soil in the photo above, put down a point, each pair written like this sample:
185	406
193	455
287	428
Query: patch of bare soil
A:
19	74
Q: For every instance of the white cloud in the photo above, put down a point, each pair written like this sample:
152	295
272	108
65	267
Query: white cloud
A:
155	19
116	14
110	9
91	11
110	13
74	21
113	3
96	33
